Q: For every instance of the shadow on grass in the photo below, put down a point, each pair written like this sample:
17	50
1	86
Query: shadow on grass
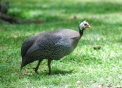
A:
43	75
54	72
61	72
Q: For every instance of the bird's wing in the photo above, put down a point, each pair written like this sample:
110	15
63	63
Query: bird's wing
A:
28	43
43	44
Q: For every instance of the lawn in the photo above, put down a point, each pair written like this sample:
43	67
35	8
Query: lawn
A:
85	67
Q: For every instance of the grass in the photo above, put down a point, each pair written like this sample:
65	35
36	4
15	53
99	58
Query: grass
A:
89	66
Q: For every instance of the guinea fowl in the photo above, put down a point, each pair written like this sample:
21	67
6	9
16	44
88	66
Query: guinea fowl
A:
51	45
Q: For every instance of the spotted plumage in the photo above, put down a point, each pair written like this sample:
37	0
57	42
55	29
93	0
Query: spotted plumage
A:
51	45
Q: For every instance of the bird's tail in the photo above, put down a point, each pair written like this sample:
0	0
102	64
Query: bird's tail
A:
23	63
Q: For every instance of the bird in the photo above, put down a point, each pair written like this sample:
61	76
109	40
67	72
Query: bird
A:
52	45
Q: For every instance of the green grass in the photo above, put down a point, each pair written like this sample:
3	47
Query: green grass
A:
89	66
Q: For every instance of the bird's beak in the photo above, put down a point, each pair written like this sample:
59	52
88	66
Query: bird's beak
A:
88	26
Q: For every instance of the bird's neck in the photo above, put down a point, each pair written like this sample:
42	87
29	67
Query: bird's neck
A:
81	31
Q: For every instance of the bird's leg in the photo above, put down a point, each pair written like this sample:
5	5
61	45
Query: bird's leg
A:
36	69
49	67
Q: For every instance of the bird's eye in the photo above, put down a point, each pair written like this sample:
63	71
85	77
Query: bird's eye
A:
85	24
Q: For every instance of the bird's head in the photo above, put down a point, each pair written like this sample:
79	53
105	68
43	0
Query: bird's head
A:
83	25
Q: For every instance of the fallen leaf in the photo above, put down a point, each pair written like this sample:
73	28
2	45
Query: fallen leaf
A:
74	17
97	47
15	36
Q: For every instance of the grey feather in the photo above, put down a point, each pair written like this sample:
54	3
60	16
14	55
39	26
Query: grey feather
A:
49	45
